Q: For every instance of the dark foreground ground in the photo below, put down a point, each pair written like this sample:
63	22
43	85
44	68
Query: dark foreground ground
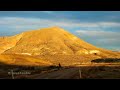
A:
93	71
83	72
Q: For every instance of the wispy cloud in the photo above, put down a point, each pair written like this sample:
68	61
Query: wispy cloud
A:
39	21
109	24
98	33
49	12
101	38
45	22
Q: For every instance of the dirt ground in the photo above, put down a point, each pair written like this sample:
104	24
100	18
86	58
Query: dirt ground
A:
98	71
93	71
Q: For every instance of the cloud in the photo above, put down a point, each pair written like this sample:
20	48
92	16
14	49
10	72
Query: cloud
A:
100	38
23	22
99	33
110	24
42	22
39	21
49	12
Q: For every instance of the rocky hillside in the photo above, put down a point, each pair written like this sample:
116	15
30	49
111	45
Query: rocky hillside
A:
53	41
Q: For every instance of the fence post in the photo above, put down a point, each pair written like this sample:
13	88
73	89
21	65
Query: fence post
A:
12	74
80	76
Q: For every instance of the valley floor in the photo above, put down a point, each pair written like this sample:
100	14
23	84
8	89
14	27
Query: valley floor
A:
93	71
83	72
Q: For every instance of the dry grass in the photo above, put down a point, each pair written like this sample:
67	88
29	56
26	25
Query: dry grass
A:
14	59
101	72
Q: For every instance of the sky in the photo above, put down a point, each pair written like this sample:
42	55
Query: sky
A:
100	28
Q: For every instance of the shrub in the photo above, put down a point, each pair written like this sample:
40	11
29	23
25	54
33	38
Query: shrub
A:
106	60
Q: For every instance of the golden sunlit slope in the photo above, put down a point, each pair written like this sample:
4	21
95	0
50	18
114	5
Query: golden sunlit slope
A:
7	43
23	60
50	41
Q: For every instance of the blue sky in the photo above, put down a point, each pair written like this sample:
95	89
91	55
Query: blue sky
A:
100	28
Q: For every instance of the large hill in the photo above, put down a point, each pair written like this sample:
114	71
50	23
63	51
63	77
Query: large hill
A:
51	41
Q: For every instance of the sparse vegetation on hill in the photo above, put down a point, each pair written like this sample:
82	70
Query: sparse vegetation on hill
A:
107	60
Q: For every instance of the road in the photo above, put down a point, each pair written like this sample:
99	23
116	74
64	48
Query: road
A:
60	74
